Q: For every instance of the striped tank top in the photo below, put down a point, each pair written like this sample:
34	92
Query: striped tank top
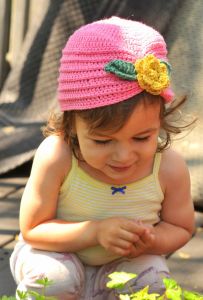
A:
84	198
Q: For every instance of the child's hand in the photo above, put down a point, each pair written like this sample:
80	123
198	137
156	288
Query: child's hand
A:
119	234
145	242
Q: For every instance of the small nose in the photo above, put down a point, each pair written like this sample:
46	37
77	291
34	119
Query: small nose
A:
123	153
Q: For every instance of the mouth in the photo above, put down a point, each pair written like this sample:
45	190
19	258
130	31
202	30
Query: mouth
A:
120	169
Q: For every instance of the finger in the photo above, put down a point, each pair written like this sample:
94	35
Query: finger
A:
133	226
145	241
147	236
123	244
119	243
135	251
129	236
120	251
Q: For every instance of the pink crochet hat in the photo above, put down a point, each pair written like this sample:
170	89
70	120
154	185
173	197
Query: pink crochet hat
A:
98	65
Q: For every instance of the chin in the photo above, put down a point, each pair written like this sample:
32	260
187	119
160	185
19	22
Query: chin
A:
119	176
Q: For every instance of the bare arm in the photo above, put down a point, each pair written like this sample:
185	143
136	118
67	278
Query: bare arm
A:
38	223
177	215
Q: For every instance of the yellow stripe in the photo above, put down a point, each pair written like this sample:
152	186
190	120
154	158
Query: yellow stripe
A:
83	197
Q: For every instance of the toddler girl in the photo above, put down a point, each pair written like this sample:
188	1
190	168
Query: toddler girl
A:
105	193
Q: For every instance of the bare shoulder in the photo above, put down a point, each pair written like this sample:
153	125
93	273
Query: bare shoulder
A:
52	145
173	168
53	154
177	206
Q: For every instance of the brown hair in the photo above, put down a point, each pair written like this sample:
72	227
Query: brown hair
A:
113	117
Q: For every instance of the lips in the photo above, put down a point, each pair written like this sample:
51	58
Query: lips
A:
120	169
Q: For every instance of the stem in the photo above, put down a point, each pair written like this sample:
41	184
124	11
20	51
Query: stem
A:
43	290
129	287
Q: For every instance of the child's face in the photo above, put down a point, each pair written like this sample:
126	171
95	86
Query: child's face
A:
123	155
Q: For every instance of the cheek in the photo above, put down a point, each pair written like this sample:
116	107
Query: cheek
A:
148	150
93	154
153	147
85	149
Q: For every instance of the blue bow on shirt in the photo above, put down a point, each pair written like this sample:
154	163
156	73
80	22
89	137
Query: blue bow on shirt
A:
118	190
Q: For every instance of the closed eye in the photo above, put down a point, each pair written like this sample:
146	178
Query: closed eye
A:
102	142
141	138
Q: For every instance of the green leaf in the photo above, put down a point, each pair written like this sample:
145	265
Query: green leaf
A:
170	283
22	295
119	279
167	65
162	297
122	69
174	293
188	295
36	295
44	281
173	290
124	297
144	295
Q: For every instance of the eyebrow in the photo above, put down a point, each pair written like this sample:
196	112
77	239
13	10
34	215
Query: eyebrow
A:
149	130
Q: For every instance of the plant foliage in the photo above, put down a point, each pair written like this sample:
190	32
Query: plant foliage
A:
173	290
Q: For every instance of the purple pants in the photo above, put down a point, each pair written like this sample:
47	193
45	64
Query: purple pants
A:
74	280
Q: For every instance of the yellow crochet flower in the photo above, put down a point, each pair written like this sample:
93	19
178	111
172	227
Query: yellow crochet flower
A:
152	74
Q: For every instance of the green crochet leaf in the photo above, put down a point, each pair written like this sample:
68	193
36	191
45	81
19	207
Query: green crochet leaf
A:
167	65
122	69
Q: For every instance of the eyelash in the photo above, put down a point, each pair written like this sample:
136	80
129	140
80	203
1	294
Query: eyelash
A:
101	142
141	139
137	139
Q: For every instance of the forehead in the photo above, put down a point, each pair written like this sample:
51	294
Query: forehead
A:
142	118
144	114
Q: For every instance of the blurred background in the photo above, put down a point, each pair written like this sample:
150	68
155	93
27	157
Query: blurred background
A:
32	34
